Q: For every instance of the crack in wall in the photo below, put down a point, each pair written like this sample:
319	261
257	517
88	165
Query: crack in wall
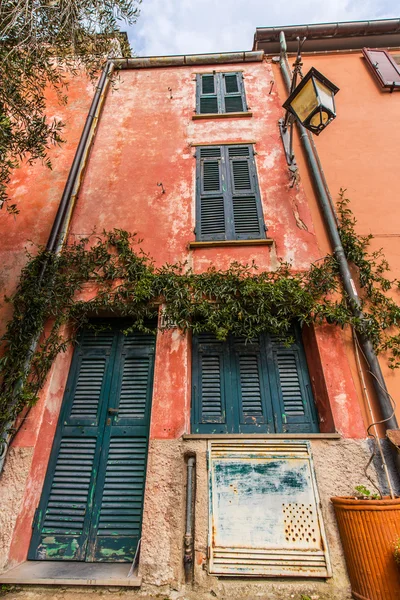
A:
299	222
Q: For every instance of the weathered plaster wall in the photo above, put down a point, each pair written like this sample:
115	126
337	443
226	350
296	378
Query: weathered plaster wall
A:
145	137
170	419
36	439
37	191
359	152
339	466
12	484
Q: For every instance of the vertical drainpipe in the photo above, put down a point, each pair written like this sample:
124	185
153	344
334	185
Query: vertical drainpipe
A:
62	219
325	204
188	542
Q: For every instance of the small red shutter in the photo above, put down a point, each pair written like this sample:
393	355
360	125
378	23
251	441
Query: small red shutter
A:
384	67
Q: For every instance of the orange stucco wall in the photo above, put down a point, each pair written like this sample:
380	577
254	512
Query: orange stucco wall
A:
37	191
146	137
359	152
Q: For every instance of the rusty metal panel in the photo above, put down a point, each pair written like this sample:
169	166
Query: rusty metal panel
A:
265	516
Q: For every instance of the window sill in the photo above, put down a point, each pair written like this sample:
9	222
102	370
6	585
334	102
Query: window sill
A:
273	436
42	572
232	115
218	243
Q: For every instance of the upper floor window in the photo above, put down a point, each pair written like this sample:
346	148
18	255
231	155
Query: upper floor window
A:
220	93
260	386
228	205
384	66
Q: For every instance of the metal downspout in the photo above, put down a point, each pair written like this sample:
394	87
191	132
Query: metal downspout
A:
188	542
76	163
64	212
347	280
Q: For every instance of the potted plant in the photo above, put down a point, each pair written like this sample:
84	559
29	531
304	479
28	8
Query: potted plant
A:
369	525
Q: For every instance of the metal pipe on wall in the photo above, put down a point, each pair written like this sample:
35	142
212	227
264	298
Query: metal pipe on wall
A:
76	163
329	217
188	542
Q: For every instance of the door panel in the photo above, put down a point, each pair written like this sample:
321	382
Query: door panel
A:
117	516
117	531
91	505
66	518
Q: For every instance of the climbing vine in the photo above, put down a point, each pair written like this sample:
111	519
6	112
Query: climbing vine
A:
120	279
382	323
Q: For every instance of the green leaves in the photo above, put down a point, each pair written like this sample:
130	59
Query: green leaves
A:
241	300
382	313
364	493
42	44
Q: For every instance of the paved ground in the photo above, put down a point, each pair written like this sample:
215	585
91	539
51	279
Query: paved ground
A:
71	593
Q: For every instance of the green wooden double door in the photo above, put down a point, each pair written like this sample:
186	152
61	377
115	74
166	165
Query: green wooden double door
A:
92	501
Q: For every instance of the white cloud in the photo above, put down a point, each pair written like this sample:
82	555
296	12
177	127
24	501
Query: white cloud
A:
195	26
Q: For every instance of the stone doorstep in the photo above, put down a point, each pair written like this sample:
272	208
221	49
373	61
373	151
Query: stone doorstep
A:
38	572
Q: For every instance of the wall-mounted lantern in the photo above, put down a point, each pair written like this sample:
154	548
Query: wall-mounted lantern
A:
312	102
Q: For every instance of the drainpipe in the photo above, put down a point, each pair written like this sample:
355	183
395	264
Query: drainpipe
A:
61	221
188	543
326	207
78	163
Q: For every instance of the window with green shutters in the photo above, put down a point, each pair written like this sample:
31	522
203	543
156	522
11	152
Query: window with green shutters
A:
228	203
220	93
257	386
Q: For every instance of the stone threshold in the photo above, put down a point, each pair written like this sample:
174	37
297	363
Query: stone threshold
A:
262	436
42	572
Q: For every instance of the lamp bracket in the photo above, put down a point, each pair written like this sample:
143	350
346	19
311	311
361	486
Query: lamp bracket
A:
286	131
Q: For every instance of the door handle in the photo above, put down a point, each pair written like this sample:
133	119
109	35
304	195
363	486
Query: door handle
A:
113	411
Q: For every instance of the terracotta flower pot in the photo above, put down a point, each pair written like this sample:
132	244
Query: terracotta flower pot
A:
368	530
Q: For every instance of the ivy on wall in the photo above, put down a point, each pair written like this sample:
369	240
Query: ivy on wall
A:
125	282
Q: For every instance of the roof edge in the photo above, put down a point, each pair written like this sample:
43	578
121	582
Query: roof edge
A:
143	62
331	36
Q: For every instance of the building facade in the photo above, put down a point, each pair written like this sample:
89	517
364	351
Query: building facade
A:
186	152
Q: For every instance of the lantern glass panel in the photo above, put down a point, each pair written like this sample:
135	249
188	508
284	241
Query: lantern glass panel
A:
325	94
320	119
305	101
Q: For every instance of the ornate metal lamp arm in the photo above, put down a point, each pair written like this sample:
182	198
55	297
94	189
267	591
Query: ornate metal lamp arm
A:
286	124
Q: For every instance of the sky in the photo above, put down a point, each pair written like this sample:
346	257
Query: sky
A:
195	26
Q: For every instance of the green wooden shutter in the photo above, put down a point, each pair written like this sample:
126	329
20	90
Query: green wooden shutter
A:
252	406
64	513
120	490
228	199
209	385
211	194
248	220
220	93
259	386
91	506
291	382
207	94
233	92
